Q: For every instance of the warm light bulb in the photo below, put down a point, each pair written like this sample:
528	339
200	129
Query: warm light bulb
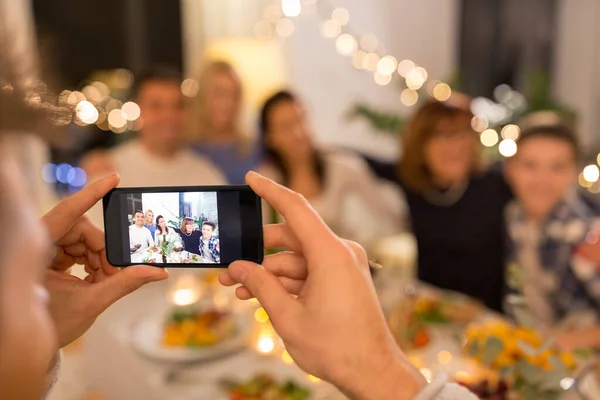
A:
510	131
86	112
442	91
341	15
405	67
382	79
358	59
479	123
591	173
131	111
346	44
370	62
185	297
409	97
414	80
291	8
331	29
261	315
116	119
387	65
265	344
508	148
190	87
489	138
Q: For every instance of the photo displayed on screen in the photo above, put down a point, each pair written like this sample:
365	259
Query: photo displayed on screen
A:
174	228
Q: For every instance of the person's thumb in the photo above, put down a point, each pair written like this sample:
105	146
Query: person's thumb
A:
124	282
267	289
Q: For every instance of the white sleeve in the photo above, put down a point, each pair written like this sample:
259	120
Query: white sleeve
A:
441	389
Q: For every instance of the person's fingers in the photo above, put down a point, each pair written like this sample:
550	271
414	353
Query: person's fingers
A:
266	288
292	286
128	280
107	268
286	264
62	217
279	236
359	253
84	231
226	280
243	293
303	221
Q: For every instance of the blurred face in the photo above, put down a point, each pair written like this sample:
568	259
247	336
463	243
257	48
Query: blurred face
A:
223	101
450	153
189	227
541	174
289	133
28	340
207	231
162	223
161	103
149	217
139	219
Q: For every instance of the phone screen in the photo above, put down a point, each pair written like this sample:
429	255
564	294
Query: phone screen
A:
184	226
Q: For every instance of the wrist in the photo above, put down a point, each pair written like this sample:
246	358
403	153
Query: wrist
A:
385	378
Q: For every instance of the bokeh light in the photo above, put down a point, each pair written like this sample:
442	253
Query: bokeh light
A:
49	173
121	78
405	67
190	87
287	358
479	123
116	119
358	59
489	137
272	13
591	173
75	98
92	94
409	97
346	44
86	112
291	8
261	316
583	182
102	88
131	111
331	29
415	80
265	344
341	15
370	62
113	104
510	131
62	173
381	79
508	148
285	27
442	91
387	65
503	93
76	177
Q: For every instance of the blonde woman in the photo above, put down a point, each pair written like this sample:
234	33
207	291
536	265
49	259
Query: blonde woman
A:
214	122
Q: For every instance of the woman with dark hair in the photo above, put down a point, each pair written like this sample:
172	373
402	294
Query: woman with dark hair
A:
163	233
337	184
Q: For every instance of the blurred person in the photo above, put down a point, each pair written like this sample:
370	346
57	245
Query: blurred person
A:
321	300
547	222
215	122
456	206
338	185
210	250
150	222
140	238
163	233
158	156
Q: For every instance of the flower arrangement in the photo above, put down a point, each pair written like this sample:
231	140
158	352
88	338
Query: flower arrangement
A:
521	357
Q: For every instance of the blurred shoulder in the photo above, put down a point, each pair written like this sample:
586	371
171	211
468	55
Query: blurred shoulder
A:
344	160
211	174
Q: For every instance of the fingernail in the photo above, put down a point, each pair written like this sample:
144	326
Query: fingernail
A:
238	272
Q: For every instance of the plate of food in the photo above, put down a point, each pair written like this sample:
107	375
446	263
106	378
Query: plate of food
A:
187	334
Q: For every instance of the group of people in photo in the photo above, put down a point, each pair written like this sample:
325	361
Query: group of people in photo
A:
147	233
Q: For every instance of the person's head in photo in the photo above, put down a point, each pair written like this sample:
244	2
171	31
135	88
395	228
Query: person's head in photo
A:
208	229
149	217
544	169
139	218
187	226
161	224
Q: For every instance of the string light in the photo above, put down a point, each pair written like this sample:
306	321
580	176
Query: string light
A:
370	62
341	15
414	80
86	112
116	119
358	59
479	123
583	182
442	91
510	131
291	8
285	27
409	97
121	78
387	65
131	111
405	67
346	44
489	137
331	29
591	173
508	148
381	79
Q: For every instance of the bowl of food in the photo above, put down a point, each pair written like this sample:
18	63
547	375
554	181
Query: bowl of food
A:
264	386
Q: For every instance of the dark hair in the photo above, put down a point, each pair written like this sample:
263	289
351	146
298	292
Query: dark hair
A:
139	211
271	155
156	73
559	132
211	224
158	226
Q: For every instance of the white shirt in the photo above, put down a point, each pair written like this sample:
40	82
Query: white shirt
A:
353	202
138	168
171	237
141	236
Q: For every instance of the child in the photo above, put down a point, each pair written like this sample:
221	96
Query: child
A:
546	223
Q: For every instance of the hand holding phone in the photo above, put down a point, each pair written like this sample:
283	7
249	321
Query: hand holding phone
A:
193	226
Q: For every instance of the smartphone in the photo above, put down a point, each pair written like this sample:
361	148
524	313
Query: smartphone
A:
193	226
